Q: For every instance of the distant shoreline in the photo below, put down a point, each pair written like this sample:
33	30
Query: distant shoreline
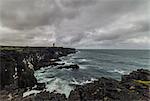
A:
4	46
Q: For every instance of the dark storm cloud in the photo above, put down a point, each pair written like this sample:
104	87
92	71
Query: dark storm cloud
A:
75	23
123	31
25	14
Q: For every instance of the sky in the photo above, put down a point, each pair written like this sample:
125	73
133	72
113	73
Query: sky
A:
102	24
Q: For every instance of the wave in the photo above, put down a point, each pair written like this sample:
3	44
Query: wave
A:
27	93
82	67
66	61
83	60
60	86
78	51
118	71
75	82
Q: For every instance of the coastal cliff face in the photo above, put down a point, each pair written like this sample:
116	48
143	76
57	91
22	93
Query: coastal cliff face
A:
17	65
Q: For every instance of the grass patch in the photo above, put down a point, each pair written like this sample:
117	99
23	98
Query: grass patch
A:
143	82
11	49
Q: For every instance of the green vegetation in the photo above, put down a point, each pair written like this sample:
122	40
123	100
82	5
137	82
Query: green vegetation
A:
143	82
11	49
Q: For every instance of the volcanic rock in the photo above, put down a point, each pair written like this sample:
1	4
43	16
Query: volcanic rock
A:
105	89
74	67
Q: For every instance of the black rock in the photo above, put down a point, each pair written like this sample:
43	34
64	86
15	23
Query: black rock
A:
102	90
40	86
17	64
138	81
140	74
27	79
7	69
45	96
74	67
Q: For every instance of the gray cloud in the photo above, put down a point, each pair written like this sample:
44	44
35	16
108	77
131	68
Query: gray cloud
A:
75	23
25	14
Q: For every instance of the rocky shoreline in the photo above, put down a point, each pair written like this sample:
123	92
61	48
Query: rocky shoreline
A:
17	66
137	88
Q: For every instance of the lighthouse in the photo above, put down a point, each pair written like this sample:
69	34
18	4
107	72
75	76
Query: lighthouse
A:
53	44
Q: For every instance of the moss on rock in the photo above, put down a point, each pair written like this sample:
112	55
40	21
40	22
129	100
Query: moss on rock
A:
143	82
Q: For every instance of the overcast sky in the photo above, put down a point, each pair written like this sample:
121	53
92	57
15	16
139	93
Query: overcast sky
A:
76	23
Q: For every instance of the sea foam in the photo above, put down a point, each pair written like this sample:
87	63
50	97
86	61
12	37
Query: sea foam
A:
75	82
60	86
27	93
118	71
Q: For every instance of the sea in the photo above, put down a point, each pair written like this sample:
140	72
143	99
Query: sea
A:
93	63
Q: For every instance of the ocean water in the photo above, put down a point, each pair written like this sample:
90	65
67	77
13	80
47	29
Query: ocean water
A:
93	64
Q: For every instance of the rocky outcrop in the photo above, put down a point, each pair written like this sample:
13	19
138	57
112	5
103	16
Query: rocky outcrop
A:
105	89
136	88
17	64
40	86
14	71
140	74
73	67
7	69
138	81
44	96
11	95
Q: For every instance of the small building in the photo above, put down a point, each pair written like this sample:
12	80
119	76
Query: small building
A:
53	44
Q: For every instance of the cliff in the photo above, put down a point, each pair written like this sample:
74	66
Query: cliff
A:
17	64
